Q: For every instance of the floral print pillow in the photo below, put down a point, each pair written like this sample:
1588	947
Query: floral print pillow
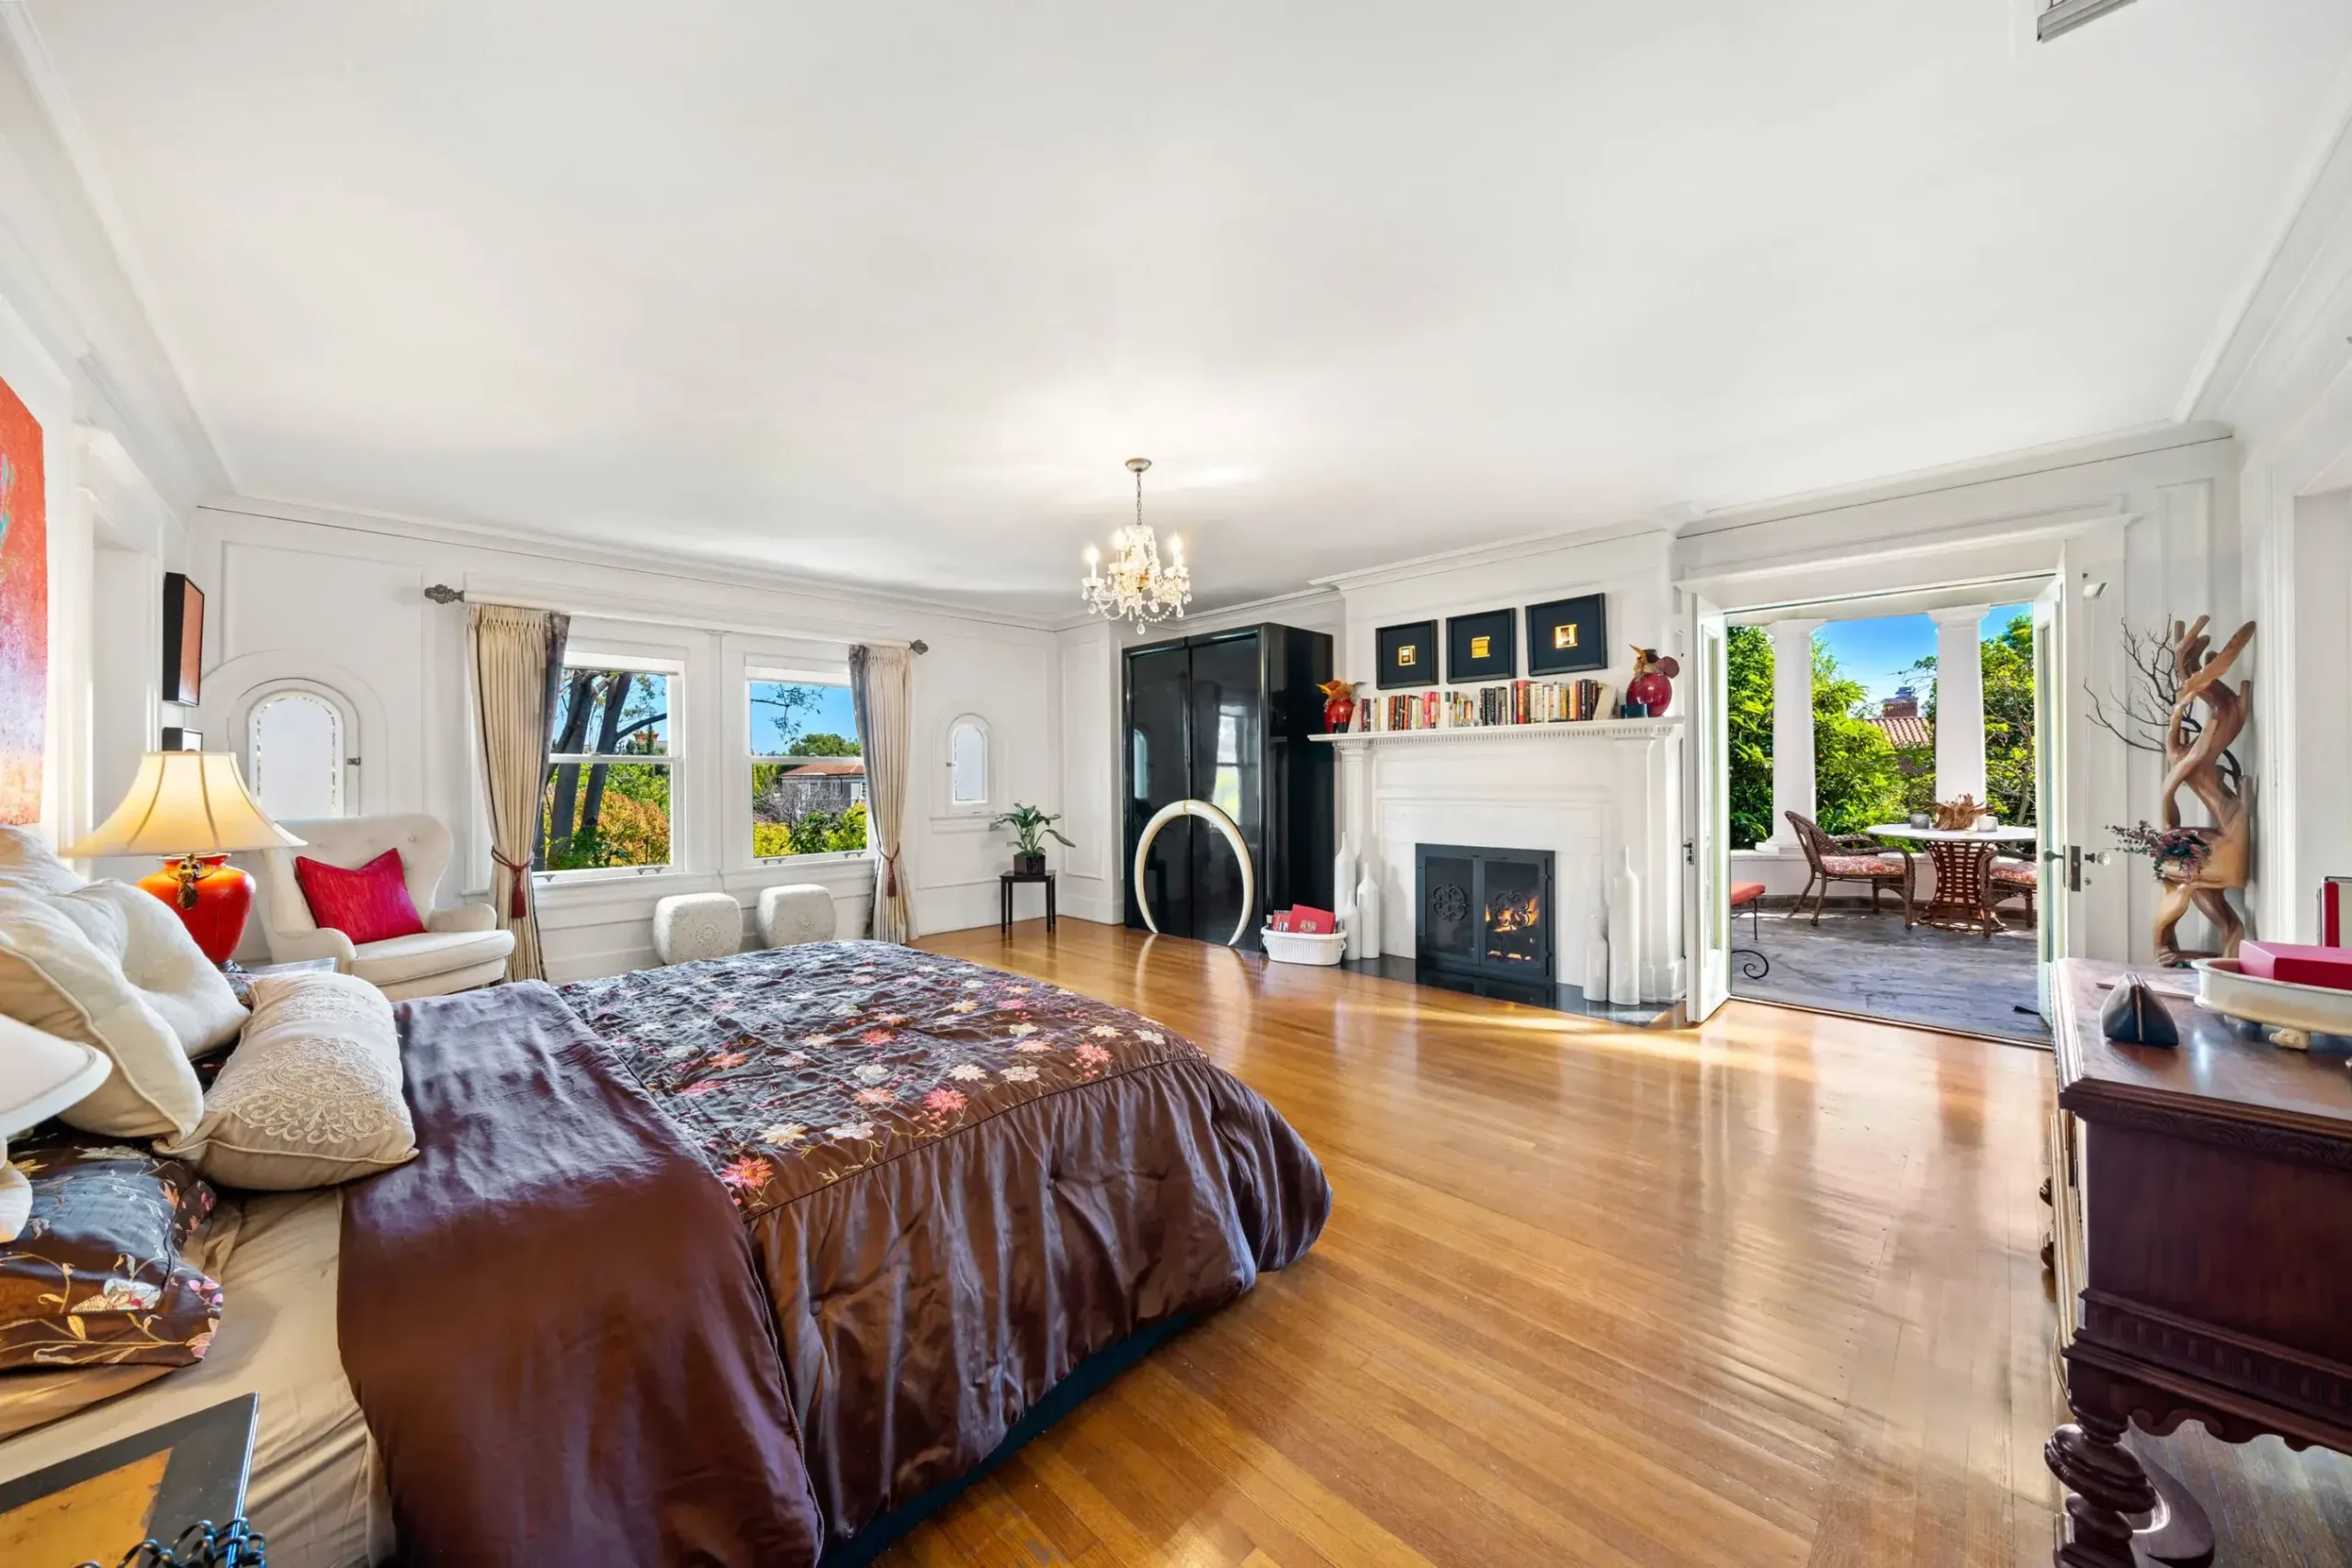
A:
100	1275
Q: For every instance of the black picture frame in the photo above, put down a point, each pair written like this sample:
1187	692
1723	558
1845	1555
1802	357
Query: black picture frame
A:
1407	655
183	641
1484	647
1585	620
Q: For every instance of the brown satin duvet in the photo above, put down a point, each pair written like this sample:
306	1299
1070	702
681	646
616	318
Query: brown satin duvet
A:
956	1184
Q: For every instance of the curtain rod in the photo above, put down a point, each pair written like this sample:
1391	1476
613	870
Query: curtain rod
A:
442	593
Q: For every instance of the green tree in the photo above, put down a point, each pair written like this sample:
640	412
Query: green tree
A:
2009	771
1748	661
825	744
1857	779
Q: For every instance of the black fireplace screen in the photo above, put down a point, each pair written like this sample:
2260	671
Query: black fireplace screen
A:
1486	911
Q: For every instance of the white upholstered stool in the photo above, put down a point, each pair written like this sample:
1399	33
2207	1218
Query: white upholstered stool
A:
688	926
795	914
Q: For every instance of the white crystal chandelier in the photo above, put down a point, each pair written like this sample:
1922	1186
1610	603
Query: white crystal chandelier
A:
1136	585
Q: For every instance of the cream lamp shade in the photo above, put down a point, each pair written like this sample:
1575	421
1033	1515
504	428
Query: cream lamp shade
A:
40	1076
184	803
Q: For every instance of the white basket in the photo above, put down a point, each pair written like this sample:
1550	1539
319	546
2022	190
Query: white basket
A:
1295	947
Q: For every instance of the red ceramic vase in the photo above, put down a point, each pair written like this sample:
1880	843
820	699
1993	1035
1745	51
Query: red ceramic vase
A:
1651	689
213	903
1338	713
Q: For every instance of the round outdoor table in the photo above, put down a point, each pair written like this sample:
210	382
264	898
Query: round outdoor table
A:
1963	878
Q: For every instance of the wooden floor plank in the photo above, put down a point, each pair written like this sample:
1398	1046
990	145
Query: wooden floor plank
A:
1762	1292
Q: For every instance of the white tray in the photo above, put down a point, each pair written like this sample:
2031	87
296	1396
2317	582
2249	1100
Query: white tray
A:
2292	1013
1296	947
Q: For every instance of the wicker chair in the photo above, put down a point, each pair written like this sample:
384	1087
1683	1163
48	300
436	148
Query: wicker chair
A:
2016	879
1847	857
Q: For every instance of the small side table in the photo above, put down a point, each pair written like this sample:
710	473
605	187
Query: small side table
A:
1005	880
98	1505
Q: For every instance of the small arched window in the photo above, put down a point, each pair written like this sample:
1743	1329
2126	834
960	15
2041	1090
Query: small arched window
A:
294	755
967	763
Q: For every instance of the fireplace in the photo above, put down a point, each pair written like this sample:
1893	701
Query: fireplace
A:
1485	914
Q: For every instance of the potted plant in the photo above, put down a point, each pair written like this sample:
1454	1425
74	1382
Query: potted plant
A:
1030	827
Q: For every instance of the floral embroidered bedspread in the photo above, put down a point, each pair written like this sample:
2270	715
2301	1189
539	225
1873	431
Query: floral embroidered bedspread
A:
795	1067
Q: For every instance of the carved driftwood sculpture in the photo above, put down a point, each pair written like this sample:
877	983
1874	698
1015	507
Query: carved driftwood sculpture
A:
2193	753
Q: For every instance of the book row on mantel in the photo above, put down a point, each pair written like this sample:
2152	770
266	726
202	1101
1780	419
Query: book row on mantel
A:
1520	702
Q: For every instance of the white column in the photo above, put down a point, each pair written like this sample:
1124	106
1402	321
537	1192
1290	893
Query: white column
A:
1793	777
1959	701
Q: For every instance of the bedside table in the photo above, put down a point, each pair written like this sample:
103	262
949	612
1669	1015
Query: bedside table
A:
98	1505
240	978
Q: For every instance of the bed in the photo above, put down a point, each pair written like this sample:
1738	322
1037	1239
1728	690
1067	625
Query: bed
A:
744	1261
318	1488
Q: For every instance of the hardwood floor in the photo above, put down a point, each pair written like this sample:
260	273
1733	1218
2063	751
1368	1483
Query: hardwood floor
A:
1765	1293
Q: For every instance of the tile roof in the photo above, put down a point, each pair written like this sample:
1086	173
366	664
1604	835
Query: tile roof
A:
1907	729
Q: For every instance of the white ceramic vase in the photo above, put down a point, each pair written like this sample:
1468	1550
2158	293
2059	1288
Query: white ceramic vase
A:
1368	914
1343	893
1596	959
1625	933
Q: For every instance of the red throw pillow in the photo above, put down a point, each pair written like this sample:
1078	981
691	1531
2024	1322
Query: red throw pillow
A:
371	904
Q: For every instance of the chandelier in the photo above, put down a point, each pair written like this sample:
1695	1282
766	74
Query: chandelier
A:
1137	584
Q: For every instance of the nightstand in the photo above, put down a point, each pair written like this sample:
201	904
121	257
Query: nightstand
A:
98	1505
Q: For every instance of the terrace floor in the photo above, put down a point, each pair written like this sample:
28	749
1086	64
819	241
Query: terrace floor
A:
1857	962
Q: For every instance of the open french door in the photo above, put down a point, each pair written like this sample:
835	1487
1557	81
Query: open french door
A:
1707	912
2061	871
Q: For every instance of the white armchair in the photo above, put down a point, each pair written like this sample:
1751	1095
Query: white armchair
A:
458	950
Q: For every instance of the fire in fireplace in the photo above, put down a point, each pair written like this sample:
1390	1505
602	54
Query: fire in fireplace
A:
1485	912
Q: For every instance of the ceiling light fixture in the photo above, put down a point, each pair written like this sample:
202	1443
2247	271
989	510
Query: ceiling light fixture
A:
1137	585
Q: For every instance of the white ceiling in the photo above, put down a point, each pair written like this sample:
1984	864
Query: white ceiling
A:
888	292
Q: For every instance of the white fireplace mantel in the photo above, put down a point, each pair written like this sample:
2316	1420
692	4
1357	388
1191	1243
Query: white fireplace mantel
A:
1584	790
1563	729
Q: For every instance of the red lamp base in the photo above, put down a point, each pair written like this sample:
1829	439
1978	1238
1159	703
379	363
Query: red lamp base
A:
211	898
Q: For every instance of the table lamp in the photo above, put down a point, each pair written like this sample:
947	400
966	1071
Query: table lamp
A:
192	808
40	1076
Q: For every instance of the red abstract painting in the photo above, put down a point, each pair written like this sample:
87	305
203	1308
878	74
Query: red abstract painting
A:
24	610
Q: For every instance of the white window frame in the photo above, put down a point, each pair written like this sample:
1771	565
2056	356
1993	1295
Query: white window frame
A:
991	773
674	672
755	671
347	711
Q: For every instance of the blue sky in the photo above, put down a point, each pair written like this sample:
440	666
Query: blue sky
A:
831	715
1875	652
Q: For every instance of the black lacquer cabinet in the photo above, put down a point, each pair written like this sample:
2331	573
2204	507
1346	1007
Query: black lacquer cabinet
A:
1225	717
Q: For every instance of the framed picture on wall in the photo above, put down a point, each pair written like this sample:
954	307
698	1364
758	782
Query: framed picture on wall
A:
1484	647
1567	635
1408	655
183	639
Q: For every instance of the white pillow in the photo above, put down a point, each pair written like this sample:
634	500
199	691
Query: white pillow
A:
313	1095
112	966
27	861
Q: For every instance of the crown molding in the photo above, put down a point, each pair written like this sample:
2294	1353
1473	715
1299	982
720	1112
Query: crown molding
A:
170	435
2084	451
1664	525
552	548
2266	328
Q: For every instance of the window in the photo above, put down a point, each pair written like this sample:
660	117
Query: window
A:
967	763
610	771
294	755
808	767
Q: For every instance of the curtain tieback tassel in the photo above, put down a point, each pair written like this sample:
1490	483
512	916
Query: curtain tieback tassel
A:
518	903
890	875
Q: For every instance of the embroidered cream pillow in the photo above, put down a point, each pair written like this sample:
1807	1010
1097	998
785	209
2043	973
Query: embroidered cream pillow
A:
312	1095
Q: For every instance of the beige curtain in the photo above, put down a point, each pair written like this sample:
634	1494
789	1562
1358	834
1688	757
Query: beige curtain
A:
881	683
517	658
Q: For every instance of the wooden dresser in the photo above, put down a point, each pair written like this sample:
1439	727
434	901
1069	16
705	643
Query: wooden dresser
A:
2203	1250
